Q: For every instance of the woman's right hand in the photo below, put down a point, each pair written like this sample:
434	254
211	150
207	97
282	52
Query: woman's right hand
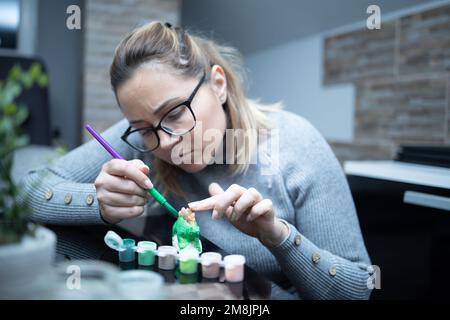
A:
121	189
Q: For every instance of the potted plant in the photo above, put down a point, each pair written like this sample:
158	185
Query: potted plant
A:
26	249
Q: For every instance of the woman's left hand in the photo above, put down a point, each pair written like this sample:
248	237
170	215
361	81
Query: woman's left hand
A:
247	210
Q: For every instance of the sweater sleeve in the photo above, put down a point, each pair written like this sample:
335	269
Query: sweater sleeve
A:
63	192
324	255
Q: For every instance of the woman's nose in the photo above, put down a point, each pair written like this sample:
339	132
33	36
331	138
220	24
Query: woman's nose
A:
167	141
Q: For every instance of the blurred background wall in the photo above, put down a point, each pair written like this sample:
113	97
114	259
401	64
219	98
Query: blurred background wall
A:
61	50
400	75
106	24
367	91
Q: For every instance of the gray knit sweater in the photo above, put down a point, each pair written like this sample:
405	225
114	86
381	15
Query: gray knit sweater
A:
324	256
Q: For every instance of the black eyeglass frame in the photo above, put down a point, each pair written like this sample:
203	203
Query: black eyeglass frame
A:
186	103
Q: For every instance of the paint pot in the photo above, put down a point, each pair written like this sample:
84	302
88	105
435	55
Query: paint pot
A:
125	247
167	257
234	268
146	253
127	254
188	260
185	278
211	264
127	265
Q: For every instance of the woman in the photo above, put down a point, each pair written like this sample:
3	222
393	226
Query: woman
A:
288	209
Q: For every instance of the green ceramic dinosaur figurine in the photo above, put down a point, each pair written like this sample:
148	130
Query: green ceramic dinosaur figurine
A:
185	231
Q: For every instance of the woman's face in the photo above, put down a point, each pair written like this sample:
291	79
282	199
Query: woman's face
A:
154	90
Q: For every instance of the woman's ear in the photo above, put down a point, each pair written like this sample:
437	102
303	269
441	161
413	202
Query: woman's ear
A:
219	83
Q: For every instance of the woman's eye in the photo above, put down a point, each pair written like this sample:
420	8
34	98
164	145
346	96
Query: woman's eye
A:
175	114
145	132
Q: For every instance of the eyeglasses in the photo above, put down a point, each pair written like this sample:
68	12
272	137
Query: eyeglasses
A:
178	121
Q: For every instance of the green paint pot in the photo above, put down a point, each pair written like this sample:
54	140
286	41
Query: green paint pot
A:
146	253
188	261
127	255
187	278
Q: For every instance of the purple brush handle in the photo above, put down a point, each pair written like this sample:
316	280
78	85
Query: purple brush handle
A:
103	142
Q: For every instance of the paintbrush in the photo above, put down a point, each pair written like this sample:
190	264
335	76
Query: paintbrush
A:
152	191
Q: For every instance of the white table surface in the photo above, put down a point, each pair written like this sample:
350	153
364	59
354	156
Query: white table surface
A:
400	172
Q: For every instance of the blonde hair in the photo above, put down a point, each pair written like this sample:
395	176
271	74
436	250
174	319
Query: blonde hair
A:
192	55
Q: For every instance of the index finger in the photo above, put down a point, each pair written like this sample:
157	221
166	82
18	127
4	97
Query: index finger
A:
205	204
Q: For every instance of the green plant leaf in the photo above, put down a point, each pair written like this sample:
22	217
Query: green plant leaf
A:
21	115
11	91
21	141
10	109
43	80
6	125
27	80
15	73
35	71
13	213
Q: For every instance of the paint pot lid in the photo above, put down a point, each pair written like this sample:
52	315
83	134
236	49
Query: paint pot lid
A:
234	259
167	250
143	246
114	241
208	258
188	253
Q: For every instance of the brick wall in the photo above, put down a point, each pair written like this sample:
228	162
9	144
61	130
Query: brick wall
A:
106	22
402	78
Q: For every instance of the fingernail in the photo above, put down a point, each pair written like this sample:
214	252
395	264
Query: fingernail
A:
192	205
148	183
215	214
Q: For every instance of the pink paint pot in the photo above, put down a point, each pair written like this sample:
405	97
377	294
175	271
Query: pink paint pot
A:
211	264
234	267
